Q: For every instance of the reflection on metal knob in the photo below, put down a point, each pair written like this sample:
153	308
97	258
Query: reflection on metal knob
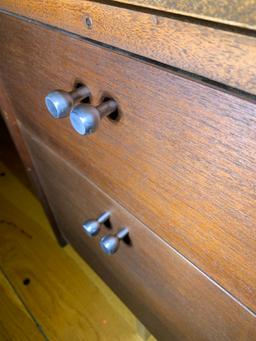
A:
85	118
59	103
92	227
110	243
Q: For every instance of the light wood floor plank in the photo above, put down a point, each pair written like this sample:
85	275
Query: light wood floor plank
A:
66	297
15	321
60	296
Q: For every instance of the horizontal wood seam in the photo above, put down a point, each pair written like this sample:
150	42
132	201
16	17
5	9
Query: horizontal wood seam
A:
184	13
248	31
179	72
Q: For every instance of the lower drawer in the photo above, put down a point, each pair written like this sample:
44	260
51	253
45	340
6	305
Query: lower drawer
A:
174	299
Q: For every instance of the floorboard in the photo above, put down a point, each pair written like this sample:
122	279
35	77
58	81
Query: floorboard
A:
50	292
15	321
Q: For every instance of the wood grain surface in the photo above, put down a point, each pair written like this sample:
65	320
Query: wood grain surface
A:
232	12
64	298
15	321
16	194
222	56
173	298
8	115
181	159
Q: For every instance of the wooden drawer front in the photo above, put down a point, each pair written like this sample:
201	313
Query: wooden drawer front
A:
173	298
182	158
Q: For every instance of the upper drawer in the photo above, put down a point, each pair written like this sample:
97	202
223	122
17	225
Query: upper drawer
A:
182	157
171	296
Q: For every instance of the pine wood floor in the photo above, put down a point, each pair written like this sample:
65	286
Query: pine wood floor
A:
48	292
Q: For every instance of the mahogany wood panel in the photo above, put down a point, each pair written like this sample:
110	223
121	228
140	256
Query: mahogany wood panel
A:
173	298
222	56
181	159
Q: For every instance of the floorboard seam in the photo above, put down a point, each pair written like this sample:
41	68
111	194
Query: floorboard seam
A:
39	327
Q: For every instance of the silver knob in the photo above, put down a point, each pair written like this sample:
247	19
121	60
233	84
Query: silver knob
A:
110	243
59	103
92	227
85	118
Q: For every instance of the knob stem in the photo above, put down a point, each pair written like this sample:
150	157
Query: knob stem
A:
103	217
80	93
122	233
106	108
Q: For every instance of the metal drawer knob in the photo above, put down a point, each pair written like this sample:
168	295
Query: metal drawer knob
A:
59	103
110	243
92	227
85	118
